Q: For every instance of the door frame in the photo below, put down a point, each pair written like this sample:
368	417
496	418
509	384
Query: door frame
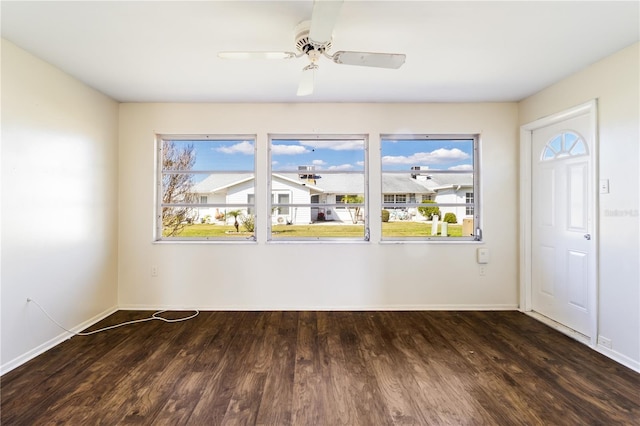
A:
526	140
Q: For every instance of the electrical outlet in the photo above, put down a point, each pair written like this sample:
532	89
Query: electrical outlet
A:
483	270
154	271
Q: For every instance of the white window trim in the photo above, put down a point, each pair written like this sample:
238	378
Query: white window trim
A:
477	189
365	174
157	236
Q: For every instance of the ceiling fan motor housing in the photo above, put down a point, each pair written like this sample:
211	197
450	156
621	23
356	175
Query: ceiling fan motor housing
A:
305	45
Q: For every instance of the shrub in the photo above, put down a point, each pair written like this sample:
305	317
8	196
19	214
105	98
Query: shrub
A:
450	218
385	215
248	222
429	212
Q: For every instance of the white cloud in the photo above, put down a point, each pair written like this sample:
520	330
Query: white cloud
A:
335	145
462	167
244	147
341	167
288	149
438	156
318	162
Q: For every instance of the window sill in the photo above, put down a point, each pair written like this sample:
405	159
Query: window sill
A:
455	242
194	241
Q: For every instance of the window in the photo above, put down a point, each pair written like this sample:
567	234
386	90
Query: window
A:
251	201
469	202
395	199
206	188
343	199
430	187
564	145
283	200
319	188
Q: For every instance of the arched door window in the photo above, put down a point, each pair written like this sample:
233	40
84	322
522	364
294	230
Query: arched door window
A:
565	144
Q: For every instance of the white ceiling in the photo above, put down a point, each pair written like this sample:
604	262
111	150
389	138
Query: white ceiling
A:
162	51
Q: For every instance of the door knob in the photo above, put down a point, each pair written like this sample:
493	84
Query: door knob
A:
587	236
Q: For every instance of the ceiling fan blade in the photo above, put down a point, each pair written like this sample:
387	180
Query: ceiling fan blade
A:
256	55
369	59
305	87
323	19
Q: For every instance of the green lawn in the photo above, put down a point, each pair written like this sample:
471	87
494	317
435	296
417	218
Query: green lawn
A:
389	229
211	230
318	231
416	229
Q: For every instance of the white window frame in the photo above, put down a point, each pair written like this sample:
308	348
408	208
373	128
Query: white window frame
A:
158	237
328	206
477	231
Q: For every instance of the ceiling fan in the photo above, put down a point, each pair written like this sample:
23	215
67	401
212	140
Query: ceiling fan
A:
313	38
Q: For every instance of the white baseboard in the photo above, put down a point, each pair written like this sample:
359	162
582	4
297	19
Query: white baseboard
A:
560	327
620	358
18	361
609	353
506	307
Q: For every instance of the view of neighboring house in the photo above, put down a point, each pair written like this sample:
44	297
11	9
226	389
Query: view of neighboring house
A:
451	188
328	190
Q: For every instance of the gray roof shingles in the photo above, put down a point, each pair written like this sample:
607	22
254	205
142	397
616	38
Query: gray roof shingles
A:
345	183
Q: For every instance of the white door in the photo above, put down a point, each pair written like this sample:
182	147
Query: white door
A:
563	273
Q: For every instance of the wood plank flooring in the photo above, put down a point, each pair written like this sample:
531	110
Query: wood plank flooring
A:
323	368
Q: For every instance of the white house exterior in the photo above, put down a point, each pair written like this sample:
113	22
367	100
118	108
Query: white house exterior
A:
291	190
328	190
452	188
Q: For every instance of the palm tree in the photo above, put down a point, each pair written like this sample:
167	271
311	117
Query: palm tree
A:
235	214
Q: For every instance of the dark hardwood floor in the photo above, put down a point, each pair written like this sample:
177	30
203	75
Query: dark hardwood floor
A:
323	368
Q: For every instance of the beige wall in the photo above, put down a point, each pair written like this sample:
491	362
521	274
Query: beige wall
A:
86	250
614	82
59	204
307	275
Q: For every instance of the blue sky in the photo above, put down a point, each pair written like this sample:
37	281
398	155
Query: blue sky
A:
338	155
433	154
233	155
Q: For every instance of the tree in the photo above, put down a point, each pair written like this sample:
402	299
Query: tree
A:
353	199
429	212
248	222
235	214
450	218
176	187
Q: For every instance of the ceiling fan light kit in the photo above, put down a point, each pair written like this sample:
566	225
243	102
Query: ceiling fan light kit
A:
305	87
314	39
